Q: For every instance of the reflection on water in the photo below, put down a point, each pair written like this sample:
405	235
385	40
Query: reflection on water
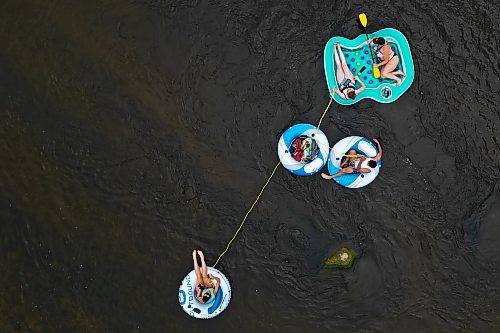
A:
134	132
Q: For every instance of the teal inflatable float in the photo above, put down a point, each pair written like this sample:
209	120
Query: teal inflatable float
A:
357	55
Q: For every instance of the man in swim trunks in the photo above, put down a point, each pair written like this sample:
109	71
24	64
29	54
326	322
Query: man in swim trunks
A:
205	289
345	79
388	58
354	161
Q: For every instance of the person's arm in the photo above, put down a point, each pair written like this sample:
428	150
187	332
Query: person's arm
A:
360	90
371	39
382	63
358	167
386	52
218	284
344	163
379	147
338	93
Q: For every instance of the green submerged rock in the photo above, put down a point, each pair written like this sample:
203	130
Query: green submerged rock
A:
342	258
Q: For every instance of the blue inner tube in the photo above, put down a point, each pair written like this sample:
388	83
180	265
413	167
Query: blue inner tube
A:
302	168
362	146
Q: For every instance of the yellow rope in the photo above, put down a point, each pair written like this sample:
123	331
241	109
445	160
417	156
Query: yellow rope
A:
326	110
246	215
262	191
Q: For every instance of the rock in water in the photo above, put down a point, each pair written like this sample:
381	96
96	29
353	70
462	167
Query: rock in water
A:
342	258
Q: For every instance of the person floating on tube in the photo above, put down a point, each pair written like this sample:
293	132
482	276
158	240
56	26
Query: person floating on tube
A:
352	164
205	288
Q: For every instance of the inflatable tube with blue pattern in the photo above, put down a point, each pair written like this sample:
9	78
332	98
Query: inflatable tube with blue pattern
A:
301	168
362	146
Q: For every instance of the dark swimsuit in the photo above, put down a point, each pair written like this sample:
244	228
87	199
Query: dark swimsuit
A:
351	164
378	52
345	84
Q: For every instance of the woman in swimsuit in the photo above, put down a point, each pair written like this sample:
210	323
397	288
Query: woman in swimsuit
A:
345	79
388	59
351	164
205	289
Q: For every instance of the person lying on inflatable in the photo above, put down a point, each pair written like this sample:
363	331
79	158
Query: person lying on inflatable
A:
352	164
345	79
205	289
304	149
387	58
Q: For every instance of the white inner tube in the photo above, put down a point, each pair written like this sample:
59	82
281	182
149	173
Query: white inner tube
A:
297	167
197	309
361	145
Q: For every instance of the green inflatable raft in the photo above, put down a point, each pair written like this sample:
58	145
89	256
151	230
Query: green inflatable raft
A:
357	55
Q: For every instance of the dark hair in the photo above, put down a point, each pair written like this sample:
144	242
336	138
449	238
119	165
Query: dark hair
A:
379	41
351	94
372	164
206	297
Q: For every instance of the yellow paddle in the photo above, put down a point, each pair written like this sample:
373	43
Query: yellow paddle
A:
364	22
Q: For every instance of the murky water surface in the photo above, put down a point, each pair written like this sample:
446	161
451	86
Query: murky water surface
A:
135	131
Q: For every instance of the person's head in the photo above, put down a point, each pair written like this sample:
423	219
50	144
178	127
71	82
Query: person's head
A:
351	93
206	297
379	41
372	164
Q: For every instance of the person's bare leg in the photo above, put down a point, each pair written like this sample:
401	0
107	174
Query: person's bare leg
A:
347	71
340	71
391	65
338	174
398	72
325	176
203	264
387	71
197	268
392	77
204	270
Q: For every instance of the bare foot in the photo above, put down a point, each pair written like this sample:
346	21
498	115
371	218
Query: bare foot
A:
398	82
325	176
201	254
